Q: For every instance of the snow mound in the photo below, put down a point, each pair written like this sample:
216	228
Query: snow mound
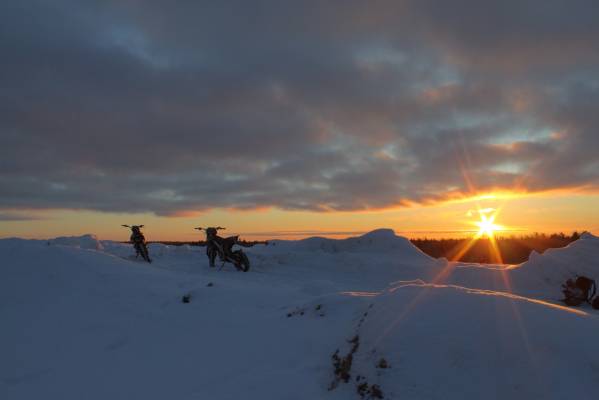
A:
540	277
427	341
380	241
88	241
581	253
555	266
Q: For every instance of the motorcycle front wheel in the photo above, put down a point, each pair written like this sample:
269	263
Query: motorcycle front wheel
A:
143	250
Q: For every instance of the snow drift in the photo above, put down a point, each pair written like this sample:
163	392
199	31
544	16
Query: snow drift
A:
540	277
84	242
82	319
441	341
380	240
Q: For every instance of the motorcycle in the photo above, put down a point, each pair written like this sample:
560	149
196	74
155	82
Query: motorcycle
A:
223	247
139	242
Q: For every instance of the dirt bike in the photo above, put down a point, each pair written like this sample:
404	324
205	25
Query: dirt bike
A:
223	247
139	242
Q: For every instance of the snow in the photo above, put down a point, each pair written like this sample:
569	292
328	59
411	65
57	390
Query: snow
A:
84	242
81	318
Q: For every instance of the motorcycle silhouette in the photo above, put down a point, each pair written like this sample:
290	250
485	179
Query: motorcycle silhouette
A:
139	242
223	247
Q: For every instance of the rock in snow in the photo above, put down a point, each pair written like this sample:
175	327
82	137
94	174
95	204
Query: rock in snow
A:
81	319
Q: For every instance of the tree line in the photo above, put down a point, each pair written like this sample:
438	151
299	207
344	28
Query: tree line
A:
513	249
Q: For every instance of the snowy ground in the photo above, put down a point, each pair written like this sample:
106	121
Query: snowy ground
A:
81	320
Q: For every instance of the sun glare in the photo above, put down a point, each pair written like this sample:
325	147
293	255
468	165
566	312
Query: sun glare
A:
487	226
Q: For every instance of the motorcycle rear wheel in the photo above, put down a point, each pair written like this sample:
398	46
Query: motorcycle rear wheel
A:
243	263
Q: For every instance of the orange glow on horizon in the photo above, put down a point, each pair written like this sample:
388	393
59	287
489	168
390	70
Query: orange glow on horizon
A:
520	214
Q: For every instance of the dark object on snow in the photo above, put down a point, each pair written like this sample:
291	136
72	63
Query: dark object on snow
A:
223	247
342	365
139	242
372	391
186	298
578	291
210	284
376	392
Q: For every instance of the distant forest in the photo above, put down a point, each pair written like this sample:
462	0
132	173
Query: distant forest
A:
513	250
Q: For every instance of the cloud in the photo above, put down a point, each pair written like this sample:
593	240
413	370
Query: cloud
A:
18	216
119	106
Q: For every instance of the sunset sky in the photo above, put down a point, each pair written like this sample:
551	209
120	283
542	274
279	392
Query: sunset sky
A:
290	119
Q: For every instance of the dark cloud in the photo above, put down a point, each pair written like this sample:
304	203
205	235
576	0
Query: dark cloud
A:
144	106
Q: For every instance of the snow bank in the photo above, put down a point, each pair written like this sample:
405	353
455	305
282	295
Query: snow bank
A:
379	252
367	262
88	241
540	277
441	342
556	265
377	241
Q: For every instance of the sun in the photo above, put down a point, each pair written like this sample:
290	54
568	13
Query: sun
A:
487	226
